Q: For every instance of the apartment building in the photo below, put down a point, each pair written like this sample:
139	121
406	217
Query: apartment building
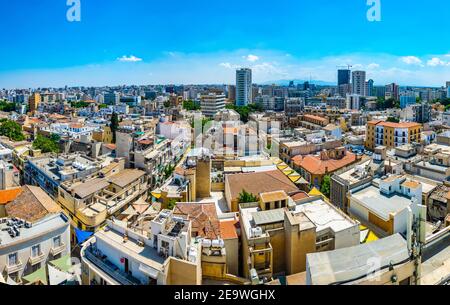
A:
275	241
49	172
27	247
212	103
391	135
90	202
158	251
383	204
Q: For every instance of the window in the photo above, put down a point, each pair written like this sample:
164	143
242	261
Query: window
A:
36	251
57	241
13	259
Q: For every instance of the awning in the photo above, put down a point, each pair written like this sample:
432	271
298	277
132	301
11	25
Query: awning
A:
39	276
63	264
82	236
156	194
282	166
129	211
151	272
58	277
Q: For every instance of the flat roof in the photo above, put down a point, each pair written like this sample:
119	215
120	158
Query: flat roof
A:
352	262
48	223
268	217
380	204
324	216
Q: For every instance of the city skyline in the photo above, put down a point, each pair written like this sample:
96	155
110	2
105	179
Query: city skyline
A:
143	45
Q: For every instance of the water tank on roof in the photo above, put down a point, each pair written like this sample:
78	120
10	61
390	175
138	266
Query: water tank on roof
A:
257	232
218	243
206	243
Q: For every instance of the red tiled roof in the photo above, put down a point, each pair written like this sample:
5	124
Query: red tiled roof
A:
203	216
314	165
228	229
9	195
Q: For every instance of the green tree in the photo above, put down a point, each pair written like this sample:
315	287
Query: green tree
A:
114	125
168	171
191	105
325	188
12	130
172	204
47	145
245	197
79	104
392	120
102	106
7	107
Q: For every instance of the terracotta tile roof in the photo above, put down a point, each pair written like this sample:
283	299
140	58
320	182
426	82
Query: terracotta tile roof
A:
314	165
260	182
228	229
9	195
314	117
203	216
273	196
394	125
31	204
299	196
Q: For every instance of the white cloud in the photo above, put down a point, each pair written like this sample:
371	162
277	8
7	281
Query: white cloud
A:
373	66
436	61
411	60
227	65
130	58
251	58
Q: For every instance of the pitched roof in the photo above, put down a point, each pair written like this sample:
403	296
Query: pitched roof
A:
203	216
259	182
315	165
31	204
9	195
228	229
125	177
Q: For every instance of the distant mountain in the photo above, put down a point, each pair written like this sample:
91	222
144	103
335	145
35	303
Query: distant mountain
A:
285	82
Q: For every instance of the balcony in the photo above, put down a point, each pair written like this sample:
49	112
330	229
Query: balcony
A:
57	250
36	259
109	268
14	268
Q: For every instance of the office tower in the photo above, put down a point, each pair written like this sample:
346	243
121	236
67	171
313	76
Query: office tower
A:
343	77
34	102
243	86
369	87
354	101
392	91
407	100
343	82
448	89
112	98
359	82
231	94
212	103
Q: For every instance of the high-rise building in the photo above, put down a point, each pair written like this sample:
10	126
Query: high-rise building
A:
343	82
231	93
369	87
112	98
448	89
343	77
359	82
212	103
33	102
354	101
407	100
392	91
243	87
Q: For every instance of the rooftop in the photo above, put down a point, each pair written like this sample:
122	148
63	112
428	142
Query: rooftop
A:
380	204
349	263
324	215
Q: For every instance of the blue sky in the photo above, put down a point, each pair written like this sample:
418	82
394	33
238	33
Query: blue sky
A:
199	41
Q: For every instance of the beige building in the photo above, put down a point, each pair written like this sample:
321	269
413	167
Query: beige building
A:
91	201
150	251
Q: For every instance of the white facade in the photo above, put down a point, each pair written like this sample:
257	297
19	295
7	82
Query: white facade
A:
212	103
359	82
47	239
243	87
